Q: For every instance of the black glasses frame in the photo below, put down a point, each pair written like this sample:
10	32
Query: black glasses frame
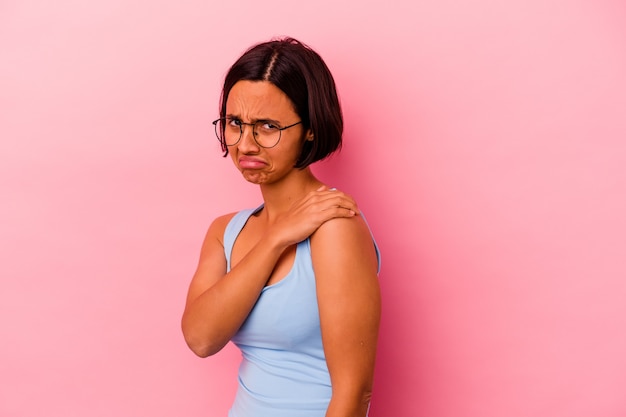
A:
220	135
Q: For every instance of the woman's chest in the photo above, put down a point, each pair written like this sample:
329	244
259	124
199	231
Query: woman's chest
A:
248	237
286	314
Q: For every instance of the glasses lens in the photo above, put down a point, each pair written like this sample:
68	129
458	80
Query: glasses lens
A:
266	134
227	131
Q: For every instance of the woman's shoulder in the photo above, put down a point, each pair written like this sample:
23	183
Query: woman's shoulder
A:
218	227
351	231
343	228
344	253
347	238
224	219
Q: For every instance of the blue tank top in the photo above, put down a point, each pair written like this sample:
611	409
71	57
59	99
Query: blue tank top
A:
283	370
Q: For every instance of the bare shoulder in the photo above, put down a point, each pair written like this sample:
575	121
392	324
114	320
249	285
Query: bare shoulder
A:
344	242
215	233
221	221
343	228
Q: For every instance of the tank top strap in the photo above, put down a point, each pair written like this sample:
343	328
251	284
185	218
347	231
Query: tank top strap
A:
233	228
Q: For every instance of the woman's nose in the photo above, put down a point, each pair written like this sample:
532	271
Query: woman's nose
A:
247	144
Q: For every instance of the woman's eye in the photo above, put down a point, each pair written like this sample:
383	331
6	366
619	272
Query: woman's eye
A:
268	126
234	122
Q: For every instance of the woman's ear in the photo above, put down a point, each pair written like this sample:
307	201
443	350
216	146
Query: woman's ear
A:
309	135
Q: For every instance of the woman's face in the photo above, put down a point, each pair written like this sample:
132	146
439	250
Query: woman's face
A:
248	102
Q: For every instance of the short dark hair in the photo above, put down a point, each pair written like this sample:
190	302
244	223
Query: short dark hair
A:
303	76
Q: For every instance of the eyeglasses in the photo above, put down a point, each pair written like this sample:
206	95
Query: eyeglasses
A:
265	133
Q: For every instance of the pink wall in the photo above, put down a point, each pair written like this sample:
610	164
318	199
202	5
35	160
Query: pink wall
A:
485	141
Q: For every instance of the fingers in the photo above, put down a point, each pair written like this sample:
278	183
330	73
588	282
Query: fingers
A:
338	212
324	199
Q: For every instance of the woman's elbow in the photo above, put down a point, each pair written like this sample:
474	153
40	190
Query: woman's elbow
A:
201	345
366	397
201	348
352	398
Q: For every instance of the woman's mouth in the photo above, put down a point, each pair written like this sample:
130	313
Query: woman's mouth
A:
247	162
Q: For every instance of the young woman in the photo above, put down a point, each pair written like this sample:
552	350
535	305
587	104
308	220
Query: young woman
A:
293	283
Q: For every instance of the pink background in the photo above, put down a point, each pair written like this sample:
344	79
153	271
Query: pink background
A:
485	141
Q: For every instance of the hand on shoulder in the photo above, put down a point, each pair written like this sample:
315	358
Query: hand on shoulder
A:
313	210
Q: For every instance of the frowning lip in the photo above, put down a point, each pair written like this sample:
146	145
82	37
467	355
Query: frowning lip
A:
248	162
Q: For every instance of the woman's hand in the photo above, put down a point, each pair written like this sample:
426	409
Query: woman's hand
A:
307	214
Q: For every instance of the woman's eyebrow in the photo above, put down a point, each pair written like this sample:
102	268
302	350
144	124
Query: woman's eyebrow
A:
260	119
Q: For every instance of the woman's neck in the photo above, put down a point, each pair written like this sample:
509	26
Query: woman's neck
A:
279	197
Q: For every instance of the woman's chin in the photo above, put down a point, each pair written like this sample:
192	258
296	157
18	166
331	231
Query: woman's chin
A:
254	177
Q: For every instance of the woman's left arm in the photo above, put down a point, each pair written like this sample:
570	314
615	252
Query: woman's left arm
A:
345	264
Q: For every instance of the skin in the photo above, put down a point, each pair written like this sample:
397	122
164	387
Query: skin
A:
297	206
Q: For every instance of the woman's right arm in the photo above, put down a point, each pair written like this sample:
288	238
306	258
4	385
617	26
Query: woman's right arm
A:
219	302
